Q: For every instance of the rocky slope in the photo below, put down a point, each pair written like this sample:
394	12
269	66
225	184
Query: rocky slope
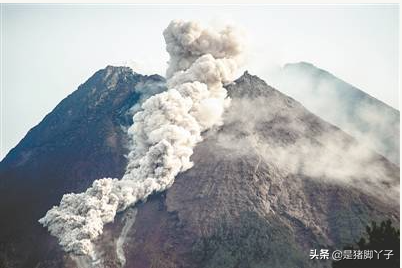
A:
269	185
370	120
81	140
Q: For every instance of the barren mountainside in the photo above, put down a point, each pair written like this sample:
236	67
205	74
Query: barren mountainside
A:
270	184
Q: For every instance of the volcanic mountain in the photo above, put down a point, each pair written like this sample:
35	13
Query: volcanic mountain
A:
269	185
371	121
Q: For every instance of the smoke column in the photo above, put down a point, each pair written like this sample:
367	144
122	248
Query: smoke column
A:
163	135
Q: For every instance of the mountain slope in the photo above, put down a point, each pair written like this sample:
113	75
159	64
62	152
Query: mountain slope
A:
81	140
270	184
369	120
243	206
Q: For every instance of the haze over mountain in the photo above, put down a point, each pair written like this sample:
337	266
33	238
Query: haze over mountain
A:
368	119
270	184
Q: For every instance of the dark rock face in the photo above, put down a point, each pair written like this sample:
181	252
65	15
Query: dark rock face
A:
239	206
255	197
81	140
354	111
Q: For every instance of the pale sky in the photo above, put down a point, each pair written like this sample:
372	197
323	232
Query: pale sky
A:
48	51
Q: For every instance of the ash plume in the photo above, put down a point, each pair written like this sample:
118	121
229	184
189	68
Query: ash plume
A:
163	135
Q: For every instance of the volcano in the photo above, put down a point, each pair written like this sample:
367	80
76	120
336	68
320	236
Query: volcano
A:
271	183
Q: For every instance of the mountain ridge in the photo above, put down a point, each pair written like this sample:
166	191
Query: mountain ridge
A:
370	120
310	65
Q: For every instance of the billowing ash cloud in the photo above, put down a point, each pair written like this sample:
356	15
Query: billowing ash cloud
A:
163	136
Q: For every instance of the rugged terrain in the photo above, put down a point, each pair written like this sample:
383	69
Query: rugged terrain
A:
269	185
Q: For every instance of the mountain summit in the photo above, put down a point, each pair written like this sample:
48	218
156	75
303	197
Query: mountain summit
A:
82	139
266	187
371	121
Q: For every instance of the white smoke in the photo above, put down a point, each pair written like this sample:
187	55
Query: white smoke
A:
163	135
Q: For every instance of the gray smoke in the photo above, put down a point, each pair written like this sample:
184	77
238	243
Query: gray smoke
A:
296	147
163	135
373	123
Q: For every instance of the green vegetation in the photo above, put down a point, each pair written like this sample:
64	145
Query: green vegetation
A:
379	237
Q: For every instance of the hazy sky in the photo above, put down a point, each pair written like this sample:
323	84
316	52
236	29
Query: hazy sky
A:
48	51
